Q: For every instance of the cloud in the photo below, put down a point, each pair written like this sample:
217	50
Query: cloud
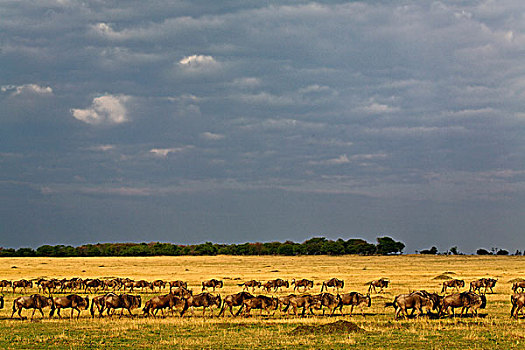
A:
163	152
104	110
198	63
211	136
28	89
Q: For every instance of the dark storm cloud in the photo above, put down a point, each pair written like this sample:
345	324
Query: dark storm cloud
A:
149	102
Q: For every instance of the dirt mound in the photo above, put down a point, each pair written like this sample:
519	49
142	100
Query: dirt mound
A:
329	328
442	277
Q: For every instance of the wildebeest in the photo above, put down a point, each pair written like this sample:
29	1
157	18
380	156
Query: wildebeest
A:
73	301
234	300
333	283
100	303
213	283
518	285
284	302
5	283
276	284
122	301
178	284
518	301
454	283
93	284
203	300
159	284
261	302
355	299
332	302
22	284
250	284
162	302
304	301
305	283
415	301
141	284
465	300
380	283
483	283
35	302
182	292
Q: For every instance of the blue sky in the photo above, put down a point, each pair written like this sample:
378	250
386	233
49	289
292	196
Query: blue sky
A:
236	121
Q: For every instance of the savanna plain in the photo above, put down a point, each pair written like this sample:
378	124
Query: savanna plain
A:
376	327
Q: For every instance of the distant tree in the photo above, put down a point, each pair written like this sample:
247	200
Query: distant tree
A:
454	251
517	252
482	251
386	245
314	246
25	252
333	248
502	252
359	246
431	251
287	248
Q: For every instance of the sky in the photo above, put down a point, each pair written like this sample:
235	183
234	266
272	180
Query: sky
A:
253	121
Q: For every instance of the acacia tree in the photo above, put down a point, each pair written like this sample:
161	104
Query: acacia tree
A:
386	245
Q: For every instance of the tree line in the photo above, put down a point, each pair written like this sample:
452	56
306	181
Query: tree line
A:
313	246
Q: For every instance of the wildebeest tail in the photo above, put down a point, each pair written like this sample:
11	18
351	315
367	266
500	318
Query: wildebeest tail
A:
389	304
1	301
92	310
322	287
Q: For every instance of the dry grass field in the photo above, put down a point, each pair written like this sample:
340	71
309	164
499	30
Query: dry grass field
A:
492	330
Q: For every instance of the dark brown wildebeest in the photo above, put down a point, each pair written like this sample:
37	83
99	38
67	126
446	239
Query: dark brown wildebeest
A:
518	301
73	301
305	283
355	299
35	302
306	302
276	284
261	302
234	300
162	302
518	285
5	283
333	283
141	284
416	301
159	284
250	284
100	303
332	302
24	284
465	300
213	283
178	284
114	283
203	300
380	283
49	285
452	284
122	301
483	283
94	284
284	302
182	292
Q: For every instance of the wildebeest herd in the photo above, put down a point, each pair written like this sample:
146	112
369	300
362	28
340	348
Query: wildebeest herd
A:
117	295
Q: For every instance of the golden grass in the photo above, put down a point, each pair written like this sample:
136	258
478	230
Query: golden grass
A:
406	273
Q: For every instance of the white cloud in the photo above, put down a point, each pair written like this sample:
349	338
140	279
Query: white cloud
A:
103	148
163	152
198	63
343	159
378	108
28	89
211	136
104	110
